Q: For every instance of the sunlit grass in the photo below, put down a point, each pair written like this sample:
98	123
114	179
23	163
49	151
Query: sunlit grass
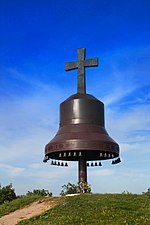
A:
112	209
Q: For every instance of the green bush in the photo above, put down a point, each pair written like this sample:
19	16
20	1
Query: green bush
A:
40	192
69	189
147	193
126	193
7	194
81	187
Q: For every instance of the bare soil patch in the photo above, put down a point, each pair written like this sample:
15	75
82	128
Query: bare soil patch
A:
29	211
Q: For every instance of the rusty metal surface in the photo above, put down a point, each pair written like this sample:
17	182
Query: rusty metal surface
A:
81	64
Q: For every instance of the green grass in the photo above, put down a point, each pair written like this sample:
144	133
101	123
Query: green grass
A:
111	209
17	204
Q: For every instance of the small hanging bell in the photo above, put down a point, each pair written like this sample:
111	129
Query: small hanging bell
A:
80	154
74	154
100	154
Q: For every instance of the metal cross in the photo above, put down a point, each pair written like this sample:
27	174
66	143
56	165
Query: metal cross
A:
80	65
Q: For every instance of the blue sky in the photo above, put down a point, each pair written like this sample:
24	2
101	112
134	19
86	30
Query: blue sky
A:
37	38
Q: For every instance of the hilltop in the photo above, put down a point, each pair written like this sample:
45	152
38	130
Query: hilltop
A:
112	209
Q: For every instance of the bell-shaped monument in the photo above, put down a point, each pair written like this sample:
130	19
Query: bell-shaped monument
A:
82	135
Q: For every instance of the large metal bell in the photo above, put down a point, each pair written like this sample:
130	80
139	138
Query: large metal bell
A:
82	135
82	131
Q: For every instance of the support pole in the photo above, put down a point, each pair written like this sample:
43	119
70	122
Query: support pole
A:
82	170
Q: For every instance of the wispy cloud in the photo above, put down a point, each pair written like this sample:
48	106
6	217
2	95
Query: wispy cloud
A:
101	172
136	174
29	121
125	71
12	170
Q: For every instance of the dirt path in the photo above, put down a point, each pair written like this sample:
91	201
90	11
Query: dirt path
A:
28	211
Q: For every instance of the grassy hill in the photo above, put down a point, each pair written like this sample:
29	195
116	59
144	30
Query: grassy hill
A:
111	209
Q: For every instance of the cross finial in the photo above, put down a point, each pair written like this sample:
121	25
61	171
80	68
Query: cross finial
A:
80	65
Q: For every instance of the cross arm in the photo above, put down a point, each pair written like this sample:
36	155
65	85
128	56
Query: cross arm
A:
91	62
71	66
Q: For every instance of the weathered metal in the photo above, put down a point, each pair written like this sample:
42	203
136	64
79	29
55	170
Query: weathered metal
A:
82	130
82	135
81	64
82	170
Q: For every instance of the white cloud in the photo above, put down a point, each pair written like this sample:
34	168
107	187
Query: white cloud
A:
29	122
135	174
137	147
131	125
12	170
27	125
117	94
101	172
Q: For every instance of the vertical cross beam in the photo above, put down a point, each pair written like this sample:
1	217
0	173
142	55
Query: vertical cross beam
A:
81	64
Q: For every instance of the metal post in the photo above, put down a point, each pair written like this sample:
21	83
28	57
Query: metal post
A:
82	170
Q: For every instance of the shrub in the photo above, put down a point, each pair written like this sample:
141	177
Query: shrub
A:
126	193
82	187
40	192
7	194
69	189
148	192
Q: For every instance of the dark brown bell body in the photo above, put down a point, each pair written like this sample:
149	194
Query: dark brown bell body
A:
82	136
82	131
